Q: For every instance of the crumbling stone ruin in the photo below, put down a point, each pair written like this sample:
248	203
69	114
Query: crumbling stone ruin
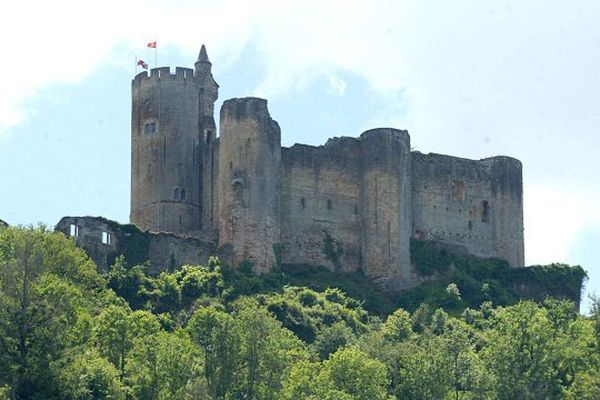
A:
351	204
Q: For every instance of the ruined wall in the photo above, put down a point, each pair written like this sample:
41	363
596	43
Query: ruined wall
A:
249	192
476	205
386	206
163	251
320	195
167	252
91	235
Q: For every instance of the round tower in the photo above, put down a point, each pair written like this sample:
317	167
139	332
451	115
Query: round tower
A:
506	208
386	206
172	133
249	165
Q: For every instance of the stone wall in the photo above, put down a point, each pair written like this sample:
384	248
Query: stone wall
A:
354	192
320	196
351	204
476	205
163	251
91	234
167	252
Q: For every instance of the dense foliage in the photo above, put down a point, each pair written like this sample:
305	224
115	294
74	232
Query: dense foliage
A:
204	332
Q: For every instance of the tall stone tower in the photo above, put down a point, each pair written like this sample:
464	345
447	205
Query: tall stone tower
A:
172	138
249	192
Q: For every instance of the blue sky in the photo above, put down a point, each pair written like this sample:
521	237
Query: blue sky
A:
469	78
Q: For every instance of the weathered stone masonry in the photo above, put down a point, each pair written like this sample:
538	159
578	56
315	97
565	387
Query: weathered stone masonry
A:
351	204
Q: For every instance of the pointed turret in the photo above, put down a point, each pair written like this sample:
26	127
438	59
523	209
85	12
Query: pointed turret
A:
203	65
203	57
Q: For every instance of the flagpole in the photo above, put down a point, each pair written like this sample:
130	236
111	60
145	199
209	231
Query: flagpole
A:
136	64
155	54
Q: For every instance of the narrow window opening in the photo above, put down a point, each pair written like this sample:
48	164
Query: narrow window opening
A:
485	211
208	136
106	238
302	203
182	194
329	205
230	165
149	127
176	194
74	230
470	225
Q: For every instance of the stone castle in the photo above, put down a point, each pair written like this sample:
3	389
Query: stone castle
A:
351	204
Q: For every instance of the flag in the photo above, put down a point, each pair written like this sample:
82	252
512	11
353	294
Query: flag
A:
142	63
152	44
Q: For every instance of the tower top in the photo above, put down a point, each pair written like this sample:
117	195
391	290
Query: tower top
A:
203	57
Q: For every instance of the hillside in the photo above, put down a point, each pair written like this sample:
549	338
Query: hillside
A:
211	332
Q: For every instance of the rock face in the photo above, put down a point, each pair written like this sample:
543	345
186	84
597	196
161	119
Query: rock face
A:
352	204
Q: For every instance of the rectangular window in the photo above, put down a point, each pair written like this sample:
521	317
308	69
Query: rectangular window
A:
149	127
74	230
106	238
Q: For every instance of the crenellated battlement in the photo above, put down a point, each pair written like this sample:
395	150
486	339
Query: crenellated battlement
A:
164	73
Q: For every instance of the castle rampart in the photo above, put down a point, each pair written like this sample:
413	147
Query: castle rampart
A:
476	205
352	204
320	199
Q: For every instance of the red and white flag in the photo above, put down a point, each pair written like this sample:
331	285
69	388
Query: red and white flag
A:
152	44
142	64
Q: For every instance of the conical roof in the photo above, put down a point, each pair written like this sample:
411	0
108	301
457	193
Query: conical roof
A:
203	57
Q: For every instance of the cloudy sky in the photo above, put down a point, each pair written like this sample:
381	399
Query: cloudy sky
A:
472	78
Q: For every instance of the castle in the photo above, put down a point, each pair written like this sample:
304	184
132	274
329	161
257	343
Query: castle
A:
352	204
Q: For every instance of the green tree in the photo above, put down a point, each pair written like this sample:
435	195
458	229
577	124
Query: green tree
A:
91	377
537	352
214	332
164	366
45	285
267	352
398	326
424	369
115	330
331	338
353	373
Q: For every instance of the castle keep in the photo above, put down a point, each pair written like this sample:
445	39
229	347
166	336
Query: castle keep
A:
351	204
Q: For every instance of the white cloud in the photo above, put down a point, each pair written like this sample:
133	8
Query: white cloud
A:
468	77
337	85
554	217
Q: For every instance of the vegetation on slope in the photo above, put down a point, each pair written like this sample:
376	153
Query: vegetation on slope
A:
204	332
